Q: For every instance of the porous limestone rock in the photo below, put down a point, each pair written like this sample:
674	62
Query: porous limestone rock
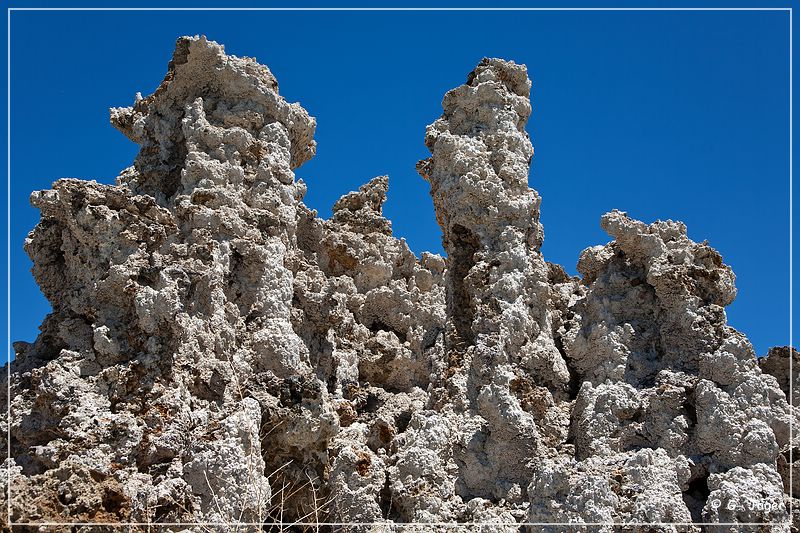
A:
219	356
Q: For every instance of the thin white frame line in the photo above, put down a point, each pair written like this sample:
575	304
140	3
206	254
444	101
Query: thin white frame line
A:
401	9
384	9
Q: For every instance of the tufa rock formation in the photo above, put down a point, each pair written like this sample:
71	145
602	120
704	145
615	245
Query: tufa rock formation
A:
219	354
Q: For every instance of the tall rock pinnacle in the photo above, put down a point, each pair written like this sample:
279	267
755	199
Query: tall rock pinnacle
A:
219	354
497	280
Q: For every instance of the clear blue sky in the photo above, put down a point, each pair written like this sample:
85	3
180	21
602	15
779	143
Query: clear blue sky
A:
680	115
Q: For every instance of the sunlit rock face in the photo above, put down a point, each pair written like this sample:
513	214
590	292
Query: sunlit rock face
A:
217	353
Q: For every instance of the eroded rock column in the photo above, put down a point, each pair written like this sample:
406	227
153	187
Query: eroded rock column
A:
504	374
497	289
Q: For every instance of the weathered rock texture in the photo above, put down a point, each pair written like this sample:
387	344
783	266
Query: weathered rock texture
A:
218	353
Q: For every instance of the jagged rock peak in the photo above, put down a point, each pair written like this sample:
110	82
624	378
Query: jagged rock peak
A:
362	210
481	155
512	75
217	352
203	84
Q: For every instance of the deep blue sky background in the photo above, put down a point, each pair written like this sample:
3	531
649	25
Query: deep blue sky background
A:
680	115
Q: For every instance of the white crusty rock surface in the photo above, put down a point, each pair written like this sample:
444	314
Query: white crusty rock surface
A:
217	353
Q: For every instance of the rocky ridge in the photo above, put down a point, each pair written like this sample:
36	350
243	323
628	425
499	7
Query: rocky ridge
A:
218	353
